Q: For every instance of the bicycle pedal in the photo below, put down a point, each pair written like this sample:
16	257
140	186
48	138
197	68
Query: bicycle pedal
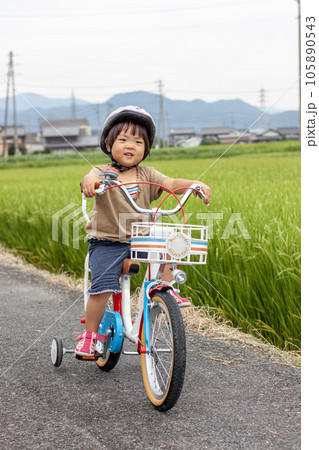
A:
88	358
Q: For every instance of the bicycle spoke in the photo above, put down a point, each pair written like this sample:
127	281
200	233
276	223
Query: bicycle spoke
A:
161	338
159	361
161	331
164	384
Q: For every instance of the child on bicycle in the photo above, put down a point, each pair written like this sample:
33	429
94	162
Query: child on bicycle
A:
127	137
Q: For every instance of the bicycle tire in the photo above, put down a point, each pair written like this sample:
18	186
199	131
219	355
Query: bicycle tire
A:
111	359
164	377
109	362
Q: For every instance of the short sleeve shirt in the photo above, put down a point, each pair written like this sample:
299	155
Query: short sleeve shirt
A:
112	216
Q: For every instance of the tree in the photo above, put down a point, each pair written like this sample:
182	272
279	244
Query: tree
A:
22	150
206	141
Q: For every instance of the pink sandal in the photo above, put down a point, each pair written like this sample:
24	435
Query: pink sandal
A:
182	302
86	346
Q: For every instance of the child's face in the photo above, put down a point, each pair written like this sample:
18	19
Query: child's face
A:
128	149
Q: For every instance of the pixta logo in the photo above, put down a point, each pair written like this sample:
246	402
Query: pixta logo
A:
70	218
62	220
234	227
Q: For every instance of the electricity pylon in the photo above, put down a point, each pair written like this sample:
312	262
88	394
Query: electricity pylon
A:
10	83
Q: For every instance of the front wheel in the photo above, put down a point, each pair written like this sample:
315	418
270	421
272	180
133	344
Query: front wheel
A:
164	368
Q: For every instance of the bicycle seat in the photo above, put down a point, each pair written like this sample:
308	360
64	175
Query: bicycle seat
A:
130	267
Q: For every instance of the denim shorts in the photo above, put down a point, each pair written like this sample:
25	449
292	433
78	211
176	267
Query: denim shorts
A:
106	262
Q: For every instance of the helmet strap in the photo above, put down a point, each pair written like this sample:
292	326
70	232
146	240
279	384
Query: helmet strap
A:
119	166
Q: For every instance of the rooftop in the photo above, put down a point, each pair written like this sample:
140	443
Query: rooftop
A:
217	130
64	123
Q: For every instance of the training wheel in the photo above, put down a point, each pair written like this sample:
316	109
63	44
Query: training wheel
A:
56	351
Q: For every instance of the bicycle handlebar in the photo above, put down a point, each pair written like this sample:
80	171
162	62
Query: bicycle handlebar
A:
111	182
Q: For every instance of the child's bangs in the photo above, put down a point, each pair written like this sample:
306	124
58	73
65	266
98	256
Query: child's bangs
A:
137	129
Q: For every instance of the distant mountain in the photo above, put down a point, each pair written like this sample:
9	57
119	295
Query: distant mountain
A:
178	113
24	102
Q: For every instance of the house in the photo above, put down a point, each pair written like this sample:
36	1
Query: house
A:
63	136
214	132
190	142
178	135
34	142
289	133
234	137
8	134
269	135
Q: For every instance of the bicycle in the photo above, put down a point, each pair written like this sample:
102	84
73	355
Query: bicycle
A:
158	328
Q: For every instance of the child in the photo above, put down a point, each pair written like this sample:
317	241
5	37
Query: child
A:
127	138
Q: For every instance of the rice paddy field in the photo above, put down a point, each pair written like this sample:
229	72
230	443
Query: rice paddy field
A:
252	277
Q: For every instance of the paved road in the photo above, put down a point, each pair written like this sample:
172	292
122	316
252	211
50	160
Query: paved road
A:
231	399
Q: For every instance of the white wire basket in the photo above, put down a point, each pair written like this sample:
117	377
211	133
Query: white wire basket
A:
169	243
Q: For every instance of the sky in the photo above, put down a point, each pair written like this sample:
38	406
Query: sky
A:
203	49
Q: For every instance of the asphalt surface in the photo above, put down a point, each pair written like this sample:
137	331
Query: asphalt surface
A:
231	399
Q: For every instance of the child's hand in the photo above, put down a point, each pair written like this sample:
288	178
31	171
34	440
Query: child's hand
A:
173	184
88	185
206	190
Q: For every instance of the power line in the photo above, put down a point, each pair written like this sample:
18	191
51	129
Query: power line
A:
87	86
173	91
122	11
226	92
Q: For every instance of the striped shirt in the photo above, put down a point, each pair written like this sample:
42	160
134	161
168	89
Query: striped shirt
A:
132	189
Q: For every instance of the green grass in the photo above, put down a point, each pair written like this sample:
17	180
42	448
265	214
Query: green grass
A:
253	282
213	151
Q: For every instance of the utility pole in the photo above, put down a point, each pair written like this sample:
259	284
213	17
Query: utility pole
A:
73	107
232	121
299	64
263	122
161	120
109	107
15	134
98	116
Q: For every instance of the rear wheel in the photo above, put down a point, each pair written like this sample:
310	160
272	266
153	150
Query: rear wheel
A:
109	360
164	368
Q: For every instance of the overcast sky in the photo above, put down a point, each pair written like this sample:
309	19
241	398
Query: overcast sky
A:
207	49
